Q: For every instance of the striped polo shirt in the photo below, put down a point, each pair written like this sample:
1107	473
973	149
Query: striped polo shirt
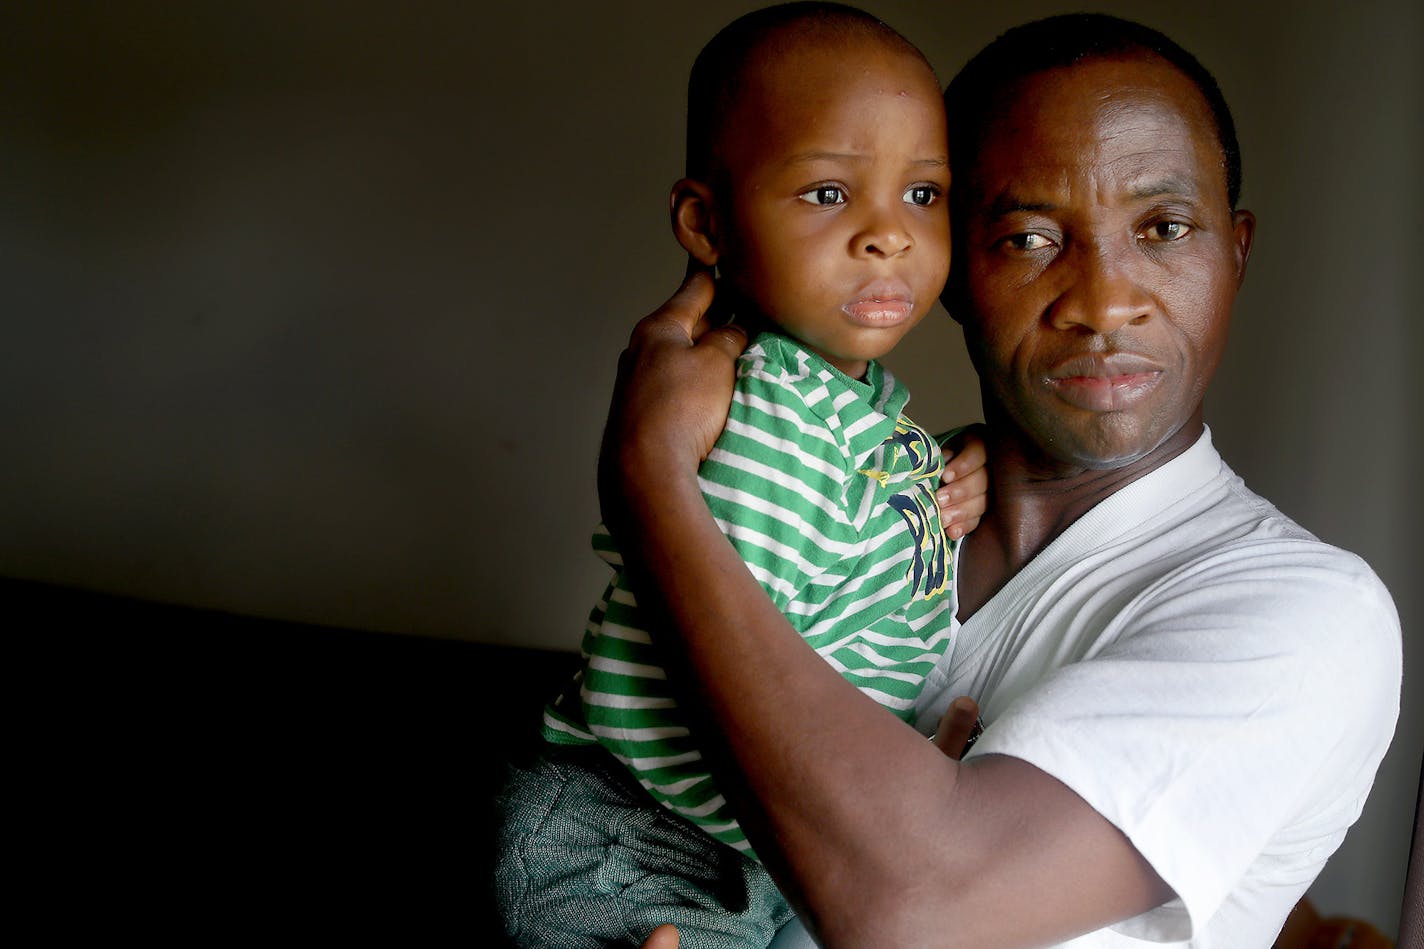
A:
827	492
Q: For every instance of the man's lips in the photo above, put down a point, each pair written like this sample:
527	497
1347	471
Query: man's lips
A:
880	304
1105	383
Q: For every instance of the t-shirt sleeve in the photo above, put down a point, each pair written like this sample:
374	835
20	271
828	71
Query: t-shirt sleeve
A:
1241	711
776	483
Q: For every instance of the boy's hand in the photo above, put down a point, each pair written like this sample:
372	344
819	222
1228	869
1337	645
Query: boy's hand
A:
964	490
664	937
958	727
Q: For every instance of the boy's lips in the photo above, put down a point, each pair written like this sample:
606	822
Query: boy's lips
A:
880	304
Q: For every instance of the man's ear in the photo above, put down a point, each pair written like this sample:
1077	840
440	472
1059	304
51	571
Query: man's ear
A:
1243	232
694	220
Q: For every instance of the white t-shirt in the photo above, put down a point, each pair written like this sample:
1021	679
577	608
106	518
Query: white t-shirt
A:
1212	679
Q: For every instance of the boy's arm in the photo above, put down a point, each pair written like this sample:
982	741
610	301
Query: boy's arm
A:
775	483
875	836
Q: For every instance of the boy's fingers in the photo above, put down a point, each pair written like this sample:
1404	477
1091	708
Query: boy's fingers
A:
964	453
960	525
962	502
958	727
970	492
664	937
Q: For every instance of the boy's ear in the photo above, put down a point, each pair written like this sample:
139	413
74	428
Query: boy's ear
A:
694	220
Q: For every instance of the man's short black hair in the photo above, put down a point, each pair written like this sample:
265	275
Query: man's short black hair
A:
1065	40
718	71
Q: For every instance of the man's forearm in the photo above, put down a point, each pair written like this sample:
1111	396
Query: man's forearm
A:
784	725
875	836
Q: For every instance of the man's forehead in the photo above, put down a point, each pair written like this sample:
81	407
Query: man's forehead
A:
1102	83
1136	119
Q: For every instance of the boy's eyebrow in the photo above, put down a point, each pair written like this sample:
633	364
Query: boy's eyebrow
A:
807	157
939	161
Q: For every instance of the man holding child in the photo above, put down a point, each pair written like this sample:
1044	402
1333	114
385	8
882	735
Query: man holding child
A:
1186	694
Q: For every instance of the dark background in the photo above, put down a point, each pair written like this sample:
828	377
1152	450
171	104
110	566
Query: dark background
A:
311	312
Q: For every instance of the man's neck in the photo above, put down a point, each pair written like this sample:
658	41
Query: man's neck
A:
1031	503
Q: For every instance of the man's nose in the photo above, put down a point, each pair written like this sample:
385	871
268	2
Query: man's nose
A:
1105	294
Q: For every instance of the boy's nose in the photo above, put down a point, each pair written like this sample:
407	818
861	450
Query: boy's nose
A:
884	237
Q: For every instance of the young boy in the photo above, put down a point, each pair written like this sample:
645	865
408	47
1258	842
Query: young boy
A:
817	171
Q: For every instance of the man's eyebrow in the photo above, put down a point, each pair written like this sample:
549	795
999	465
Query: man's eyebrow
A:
1162	186
1006	204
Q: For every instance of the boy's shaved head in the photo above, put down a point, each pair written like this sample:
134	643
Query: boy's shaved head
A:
719	70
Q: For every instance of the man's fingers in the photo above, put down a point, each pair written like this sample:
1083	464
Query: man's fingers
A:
727	340
681	319
689	305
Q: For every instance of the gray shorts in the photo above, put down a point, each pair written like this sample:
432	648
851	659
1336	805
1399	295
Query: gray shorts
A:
588	859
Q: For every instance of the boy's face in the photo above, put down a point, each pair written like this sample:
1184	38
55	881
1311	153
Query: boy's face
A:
835	224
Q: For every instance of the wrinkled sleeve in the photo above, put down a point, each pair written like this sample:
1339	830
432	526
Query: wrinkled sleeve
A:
775	483
1239	713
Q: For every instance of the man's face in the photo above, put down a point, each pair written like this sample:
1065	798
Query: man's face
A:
837	222
1101	260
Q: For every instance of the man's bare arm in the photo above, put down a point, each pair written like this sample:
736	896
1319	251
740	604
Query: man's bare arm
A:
876	837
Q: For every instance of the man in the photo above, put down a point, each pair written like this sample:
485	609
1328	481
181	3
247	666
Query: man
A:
1186	694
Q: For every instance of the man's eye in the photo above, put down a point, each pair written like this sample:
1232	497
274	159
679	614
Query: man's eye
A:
824	194
1027	242
922	195
1167	231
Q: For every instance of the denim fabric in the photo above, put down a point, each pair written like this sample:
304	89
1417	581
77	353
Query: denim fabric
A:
587	859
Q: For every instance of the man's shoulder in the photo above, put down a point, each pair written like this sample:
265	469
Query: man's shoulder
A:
1239	556
1238	525
1202	506
1199	542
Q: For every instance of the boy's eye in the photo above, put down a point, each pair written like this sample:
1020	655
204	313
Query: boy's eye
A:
823	194
1163	231
922	195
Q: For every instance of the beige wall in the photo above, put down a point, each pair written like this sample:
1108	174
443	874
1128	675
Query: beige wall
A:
311	310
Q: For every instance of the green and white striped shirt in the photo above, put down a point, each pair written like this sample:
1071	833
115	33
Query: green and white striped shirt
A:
827	492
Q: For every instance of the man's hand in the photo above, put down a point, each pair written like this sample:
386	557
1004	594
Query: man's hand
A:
671	396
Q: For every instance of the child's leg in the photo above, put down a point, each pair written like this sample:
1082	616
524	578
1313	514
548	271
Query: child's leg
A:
588	859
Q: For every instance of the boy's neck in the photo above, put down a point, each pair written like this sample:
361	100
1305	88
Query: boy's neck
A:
753	321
